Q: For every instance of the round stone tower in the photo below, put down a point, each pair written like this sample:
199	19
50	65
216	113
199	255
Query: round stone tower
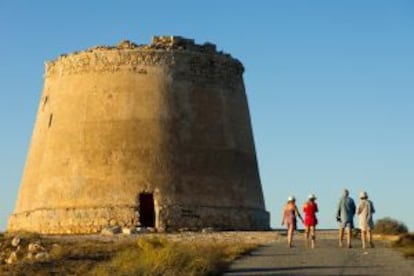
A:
154	135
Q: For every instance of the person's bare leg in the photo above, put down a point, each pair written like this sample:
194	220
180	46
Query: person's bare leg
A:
341	236
370	238
363	238
290	235
313	237
307	236
348	236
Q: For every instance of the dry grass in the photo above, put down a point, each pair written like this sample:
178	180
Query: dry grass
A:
390	226
158	256
67	257
147	255
405	244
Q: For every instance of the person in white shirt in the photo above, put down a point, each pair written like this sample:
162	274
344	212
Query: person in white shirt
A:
366	223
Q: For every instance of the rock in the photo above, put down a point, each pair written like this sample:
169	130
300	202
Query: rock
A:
143	230
126	44
184	229
41	256
35	248
29	256
56	250
129	230
12	258
19	249
2	255
15	241
111	230
208	230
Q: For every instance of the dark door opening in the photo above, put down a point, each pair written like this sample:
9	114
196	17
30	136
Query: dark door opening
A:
146	210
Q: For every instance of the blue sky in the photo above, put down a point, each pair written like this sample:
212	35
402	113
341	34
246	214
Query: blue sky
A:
330	86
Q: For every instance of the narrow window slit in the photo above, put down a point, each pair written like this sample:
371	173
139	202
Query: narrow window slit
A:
50	119
44	102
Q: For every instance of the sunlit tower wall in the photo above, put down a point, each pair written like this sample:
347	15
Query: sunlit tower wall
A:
155	135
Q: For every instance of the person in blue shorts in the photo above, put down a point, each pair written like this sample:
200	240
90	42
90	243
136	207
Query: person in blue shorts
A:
345	216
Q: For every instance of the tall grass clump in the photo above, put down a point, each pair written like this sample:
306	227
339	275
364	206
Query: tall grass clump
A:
389	226
158	256
405	244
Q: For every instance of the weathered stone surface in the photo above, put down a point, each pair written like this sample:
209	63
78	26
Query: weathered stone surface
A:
169	119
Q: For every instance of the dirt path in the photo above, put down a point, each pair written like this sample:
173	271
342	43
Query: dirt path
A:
327	259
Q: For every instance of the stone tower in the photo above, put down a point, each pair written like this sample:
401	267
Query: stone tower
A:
155	135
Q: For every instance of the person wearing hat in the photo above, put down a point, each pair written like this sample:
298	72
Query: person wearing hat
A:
345	216
290	212
310	208
366	223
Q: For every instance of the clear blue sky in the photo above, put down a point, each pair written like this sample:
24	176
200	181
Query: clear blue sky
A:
330	86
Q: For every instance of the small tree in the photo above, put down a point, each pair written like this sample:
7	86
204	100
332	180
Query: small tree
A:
390	226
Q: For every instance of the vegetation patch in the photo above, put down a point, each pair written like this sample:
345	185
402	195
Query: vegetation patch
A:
405	244
389	226
94	255
159	256
76	256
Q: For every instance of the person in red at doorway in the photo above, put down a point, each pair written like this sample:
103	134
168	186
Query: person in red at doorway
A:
310	208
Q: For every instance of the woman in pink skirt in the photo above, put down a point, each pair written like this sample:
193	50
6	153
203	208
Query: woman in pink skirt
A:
290	212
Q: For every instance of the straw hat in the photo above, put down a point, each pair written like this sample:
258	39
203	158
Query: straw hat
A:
363	194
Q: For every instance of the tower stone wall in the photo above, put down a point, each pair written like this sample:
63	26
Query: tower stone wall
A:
169	119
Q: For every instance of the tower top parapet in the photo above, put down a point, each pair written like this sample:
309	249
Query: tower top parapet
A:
180	43
168	43
127	54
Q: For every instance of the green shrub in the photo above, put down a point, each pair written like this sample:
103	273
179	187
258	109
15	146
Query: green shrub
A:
389	226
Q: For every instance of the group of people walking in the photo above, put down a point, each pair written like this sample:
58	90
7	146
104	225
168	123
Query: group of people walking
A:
344	215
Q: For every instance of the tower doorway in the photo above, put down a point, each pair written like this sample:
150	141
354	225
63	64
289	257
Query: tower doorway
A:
146	209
